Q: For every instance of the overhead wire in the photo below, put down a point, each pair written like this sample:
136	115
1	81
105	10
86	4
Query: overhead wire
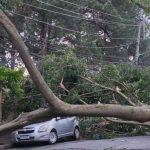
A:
74	4
64	49
68	30
60	26
70	11
111	38
40	21
11	50
82	18
85	56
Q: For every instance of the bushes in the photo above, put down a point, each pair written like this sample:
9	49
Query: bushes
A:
98	128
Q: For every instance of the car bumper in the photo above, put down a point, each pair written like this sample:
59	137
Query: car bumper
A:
19	138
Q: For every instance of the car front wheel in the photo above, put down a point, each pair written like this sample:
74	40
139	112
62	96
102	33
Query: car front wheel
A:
76	133
52	137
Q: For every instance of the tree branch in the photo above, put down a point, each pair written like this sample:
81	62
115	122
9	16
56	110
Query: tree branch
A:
25	119
146	124
126	87
110	89
64	88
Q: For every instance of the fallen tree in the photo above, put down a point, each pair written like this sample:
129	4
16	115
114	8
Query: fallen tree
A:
56	106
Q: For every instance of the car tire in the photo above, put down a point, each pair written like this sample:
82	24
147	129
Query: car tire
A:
52	137
76	135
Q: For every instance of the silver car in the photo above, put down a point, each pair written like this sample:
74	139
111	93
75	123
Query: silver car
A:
50	131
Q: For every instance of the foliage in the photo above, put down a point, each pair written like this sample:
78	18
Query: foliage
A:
143	4
8	3
11	85
11	80
66	68
98	128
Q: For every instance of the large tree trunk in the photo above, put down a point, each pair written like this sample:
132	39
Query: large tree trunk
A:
58	107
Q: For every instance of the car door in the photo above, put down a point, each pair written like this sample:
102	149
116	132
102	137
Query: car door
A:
62	126
70	124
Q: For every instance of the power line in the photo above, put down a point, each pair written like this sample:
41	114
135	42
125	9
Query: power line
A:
59	8
94	10
62	28
87	19
107	47
81	18
144	53
68	30
110	62
59	27
92	55
100	61
10	50
113	38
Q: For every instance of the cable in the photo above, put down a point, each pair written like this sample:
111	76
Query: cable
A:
103	56
55	50
62	28
59	27
67	30
59	8
94	10
113	38
93	55
111	62
107	47
33	54
144	53
102	61
102	21
105	22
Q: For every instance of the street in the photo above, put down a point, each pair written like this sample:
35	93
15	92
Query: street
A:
134	143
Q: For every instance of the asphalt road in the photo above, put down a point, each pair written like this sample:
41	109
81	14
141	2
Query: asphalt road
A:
129	143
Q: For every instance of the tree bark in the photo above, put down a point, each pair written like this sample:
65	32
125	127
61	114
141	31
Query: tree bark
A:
25	119
58	107
146	124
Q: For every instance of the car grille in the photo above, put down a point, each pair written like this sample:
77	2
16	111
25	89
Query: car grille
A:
25	131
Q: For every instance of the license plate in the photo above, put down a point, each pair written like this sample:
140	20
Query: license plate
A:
24	137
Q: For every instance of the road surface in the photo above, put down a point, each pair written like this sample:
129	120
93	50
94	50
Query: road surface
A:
128	143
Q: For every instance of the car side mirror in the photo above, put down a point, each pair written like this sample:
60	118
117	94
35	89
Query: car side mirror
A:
58	118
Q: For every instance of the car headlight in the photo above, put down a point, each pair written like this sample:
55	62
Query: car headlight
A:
43	128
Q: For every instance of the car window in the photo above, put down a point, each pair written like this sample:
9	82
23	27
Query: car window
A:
63	117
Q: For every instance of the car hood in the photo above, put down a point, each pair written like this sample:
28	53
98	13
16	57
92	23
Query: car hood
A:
36	125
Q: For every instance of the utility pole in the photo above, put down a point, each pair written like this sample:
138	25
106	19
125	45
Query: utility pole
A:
144	32
137	53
